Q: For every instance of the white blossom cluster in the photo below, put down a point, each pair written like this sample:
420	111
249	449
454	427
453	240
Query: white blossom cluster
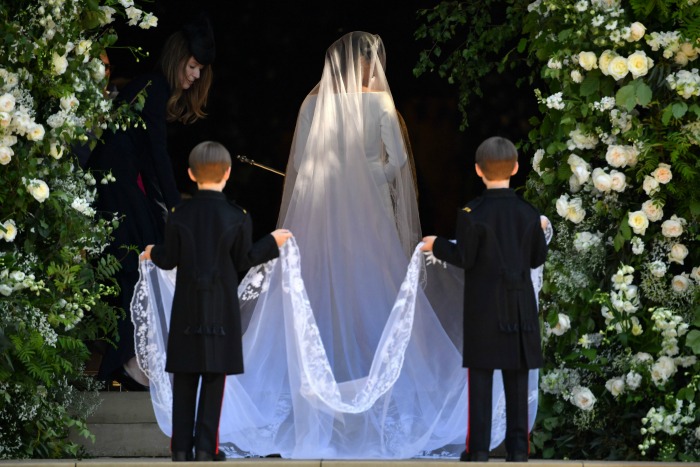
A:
674	46
671	326
685	83
661	419
571	209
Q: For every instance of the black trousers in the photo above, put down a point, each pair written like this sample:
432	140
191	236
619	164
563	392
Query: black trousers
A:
202	432
480	390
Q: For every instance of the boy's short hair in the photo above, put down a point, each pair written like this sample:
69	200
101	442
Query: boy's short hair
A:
209	161
496	157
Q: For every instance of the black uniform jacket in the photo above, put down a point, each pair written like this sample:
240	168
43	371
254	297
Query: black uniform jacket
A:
209	240
499	239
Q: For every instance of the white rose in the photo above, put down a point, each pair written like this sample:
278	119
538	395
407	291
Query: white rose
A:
662	174
35	132
681	59
642	357
574	184
604	61
575	212
537	160
69	102
653	210
632	155
562	205
6	154
10	230
618	181
671	228
83	47
678	253
638	64
576	76
695	274
59	63
583	398
587	60
637	31
601	180
56	150
662	370
650	185
38	189
5	289
615	386
638	221
7	103
633	380
563	325
680	283
616	156
618	68
5	119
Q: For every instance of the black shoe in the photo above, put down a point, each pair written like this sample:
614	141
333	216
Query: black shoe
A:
209	457
517	457
127	382
476	456
182	456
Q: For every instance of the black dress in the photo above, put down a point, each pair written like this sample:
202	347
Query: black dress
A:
143	192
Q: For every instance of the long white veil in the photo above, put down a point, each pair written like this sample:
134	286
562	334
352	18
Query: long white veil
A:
345	357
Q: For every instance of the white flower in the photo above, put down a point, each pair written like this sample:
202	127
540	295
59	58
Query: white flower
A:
619	156
5	289
681	59
38	189
618	181
576	76
615	386
537	160
653	210
5	119
59	64
672	227
581	6
579	167
588	60
108	13
695	274
662	370
662	173
554	64
650	185
584	241
35	132
637	31
604	61
149	21
574	184
7	102
580	140
555	101
618	68
657	268
633	380
583	398
10	230
563	325
637	245
678	253
575	212
134	15
601	180
56	150
680	283
642	357
638	64
639	222
6	154
69	102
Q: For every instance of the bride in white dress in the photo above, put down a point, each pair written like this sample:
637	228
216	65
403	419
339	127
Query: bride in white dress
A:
344	355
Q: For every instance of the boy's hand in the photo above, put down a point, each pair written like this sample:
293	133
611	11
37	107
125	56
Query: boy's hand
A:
428	243
281	236
146	253
544	222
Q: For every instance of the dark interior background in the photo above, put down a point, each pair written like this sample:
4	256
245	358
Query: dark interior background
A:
270	55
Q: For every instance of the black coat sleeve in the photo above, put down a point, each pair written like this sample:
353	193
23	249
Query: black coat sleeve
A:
539	246
246	254
463	253
167	255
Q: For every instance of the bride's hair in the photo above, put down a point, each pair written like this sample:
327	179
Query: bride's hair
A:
183	105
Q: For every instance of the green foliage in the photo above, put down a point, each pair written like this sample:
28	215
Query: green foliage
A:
616	164
54	279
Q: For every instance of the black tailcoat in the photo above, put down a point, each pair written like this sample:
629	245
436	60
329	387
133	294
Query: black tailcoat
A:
499	238
209	240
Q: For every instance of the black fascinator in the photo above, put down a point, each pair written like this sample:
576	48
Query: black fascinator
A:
200	37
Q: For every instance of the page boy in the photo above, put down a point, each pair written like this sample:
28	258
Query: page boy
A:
499	239
209	240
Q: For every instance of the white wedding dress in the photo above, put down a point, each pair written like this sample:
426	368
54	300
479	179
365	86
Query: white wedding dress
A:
352	340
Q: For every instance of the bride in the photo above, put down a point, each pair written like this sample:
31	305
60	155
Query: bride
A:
344	355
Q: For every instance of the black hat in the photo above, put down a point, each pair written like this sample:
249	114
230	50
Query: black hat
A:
200	38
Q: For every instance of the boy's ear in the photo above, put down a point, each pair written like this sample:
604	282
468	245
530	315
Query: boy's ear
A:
227	174
478	170
192	177
515	169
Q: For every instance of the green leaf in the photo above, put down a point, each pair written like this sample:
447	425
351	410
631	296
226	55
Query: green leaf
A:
679	109
589	85
643	93
666	115
626	97
522	45
692	340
